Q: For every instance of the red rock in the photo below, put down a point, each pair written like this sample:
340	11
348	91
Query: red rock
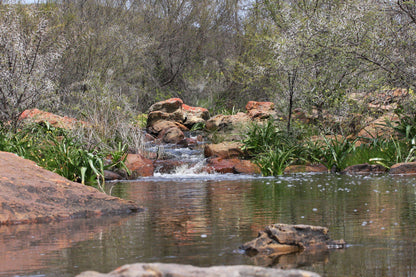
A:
235	166
139	166
246	167
260	110
168	106
194	115
403	168
35	115
31	194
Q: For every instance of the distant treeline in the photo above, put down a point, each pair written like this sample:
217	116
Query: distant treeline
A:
80	56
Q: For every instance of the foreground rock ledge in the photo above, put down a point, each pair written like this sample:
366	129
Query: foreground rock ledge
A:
31	194
165	270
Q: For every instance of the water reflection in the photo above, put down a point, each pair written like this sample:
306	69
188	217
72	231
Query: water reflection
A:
203	222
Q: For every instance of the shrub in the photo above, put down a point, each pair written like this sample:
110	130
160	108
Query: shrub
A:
60	151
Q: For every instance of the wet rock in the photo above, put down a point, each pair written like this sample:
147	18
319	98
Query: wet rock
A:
172	134
234	166
31	194
228	122
260	110
168	166
110	175
177	270
278	239
403	168
224	150
363	169
38	116
139	166
313	168
168	131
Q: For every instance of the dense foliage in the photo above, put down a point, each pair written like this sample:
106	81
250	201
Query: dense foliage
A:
105	62
218	54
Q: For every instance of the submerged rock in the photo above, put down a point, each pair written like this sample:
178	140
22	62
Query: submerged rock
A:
31	194
278	239
177	270
365	169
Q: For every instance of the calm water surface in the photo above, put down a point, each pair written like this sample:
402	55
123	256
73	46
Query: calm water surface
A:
202	221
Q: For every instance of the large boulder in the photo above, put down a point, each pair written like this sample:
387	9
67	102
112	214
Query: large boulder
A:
168	119
228	122
224	150
278	239
235	166
194	115
260	110
139	166
168	131
31	194
177	270
168	106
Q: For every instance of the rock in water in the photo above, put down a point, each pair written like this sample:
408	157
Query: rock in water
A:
31	194
177	270
279	239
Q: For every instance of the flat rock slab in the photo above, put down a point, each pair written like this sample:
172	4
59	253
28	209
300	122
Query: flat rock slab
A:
165	270
31	194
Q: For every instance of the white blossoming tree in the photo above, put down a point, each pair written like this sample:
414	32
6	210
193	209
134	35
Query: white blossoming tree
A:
28	59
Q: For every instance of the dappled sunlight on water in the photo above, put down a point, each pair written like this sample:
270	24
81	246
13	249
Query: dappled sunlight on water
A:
202	220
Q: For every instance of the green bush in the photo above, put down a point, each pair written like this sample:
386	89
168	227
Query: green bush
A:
59	151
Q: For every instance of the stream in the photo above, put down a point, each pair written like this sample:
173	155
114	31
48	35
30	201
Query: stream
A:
202	219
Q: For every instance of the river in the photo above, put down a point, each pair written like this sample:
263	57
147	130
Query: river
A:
203	219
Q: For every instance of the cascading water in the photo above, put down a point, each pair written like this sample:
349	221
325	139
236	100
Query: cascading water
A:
186	162
178	160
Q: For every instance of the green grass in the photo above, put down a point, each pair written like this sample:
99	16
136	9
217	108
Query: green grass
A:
61	152
273	150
